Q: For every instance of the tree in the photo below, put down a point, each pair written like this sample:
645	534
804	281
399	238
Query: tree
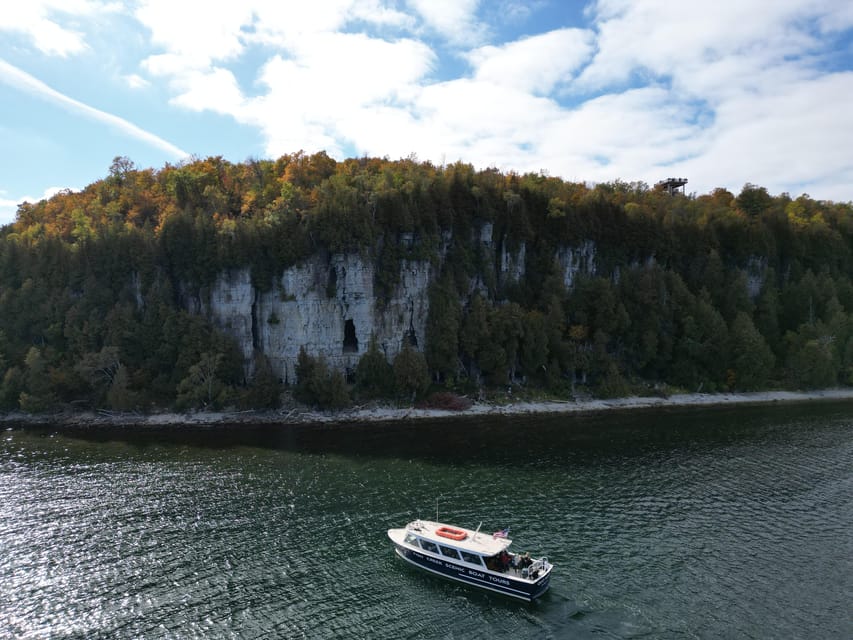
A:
202	387
99	370
736	298
37	395
264	389
507	323
442	329
752	359
753	200
812	362
534	345
767	315
374	376
474	335
4	365
11	387
119	397
317	385
336	393
411	373
700	352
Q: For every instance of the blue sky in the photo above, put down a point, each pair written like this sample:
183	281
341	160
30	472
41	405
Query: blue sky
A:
722	93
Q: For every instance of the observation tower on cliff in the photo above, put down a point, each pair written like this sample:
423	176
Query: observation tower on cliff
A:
672	185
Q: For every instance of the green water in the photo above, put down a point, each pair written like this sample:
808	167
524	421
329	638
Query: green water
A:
679	524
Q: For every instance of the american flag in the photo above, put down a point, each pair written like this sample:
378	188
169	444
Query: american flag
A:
503	533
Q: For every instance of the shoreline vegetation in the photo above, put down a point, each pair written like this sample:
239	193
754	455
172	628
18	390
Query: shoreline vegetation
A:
387	413
210	285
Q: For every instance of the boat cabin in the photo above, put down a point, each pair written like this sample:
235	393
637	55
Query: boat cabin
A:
475	549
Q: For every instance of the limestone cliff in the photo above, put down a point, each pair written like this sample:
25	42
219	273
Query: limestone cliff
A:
329	306
326	306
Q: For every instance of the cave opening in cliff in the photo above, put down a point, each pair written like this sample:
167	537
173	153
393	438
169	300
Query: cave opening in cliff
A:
350	339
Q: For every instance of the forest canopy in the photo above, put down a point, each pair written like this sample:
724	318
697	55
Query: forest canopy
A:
719	291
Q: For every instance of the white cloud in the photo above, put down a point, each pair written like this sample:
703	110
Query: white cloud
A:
317	73
656	37
283	24
747	73
135	81
723	93
196	30
838	17
328	79
658	89
38	20
215	90
795	139
23	81
455	20
223	31
535	64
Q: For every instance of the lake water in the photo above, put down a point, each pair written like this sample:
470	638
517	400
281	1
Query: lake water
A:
724	523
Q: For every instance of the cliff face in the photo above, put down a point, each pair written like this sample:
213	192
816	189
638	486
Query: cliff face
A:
575	260
327	307
330	307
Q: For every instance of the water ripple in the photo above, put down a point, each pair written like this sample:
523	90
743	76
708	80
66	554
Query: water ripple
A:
687	526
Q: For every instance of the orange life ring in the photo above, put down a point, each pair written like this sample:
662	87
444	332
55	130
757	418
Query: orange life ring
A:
450	532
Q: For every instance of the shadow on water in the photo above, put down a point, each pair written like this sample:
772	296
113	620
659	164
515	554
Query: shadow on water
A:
494	439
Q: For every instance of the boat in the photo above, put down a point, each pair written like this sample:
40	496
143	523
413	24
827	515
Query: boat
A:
472	557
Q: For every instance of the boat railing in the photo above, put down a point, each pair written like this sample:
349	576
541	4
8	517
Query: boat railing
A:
538	566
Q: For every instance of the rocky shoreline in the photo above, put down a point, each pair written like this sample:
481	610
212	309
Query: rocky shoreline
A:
372	414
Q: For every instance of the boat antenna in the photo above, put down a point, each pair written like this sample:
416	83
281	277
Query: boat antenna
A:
478	529
436	507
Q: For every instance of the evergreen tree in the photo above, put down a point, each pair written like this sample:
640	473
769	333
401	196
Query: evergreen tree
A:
812	362
265	388
442	329
534	346
335	393
4	364
752	359
319	386
507	331
308	371
767	315
411	373
374	376
11	387
474	336
37	396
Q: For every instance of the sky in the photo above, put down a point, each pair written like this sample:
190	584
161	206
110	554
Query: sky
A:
722	93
